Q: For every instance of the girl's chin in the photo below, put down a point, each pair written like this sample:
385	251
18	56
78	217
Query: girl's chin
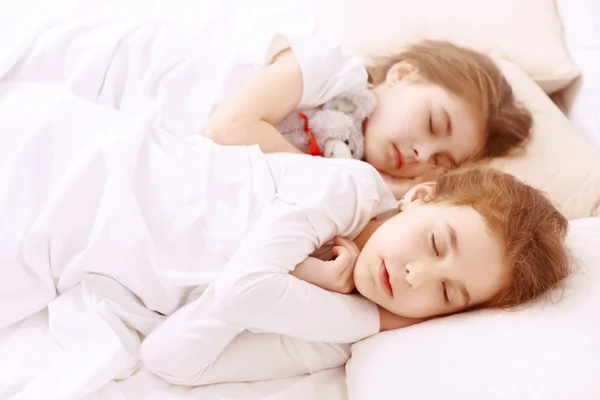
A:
363	287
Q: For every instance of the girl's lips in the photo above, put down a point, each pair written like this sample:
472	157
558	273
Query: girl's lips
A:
384	279
398	159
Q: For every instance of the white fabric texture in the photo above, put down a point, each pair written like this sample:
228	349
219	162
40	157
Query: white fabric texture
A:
127	220
135	64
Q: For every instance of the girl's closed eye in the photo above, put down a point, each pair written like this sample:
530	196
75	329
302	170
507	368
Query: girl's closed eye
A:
434	245
445	293
431	128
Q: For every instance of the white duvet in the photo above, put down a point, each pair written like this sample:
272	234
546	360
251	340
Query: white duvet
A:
102	209
104	217
56	358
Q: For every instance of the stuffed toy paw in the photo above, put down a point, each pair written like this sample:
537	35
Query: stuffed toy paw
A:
337	148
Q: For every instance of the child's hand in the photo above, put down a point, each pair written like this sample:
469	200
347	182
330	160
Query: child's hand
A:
336	275
400	186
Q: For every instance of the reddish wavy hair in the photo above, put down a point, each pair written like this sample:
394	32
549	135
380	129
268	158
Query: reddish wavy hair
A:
532	229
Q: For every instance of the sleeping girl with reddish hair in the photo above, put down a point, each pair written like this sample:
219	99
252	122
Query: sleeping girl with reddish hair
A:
475	238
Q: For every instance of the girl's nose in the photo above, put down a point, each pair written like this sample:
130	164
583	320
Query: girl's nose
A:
418	274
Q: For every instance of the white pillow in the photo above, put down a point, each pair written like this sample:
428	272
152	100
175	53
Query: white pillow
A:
557	160
548	351
581	20
529	33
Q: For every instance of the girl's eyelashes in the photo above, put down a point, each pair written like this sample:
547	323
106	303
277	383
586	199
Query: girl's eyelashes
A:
434	245
445	293
431	125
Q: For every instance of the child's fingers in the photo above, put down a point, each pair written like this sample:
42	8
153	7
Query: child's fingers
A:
352	246
343	258
336	250
340	251
349	245
340	241
342	268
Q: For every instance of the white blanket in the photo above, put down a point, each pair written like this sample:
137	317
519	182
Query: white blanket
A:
102	207
96	203
58	359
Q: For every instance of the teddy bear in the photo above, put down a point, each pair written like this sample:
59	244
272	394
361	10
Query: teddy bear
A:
333	130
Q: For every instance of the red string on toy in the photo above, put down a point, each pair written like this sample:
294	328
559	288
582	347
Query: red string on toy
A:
313	147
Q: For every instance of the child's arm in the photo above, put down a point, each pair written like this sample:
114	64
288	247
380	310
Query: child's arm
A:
317	199
258	290
197	346
249	116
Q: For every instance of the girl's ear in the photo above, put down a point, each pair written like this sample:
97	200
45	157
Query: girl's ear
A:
420	193
401	70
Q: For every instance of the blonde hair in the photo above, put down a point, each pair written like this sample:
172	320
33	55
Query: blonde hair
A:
532	229
476	79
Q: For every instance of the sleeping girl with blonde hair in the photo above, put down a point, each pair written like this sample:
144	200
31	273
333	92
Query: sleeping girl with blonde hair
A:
438	105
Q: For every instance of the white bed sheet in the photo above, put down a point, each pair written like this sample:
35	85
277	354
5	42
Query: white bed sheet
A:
27	348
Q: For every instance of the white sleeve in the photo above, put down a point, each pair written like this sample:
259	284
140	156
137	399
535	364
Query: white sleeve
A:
313	206
179	353
198	346
184	348
327	70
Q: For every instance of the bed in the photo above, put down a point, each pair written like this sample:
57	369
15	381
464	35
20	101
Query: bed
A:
564	160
